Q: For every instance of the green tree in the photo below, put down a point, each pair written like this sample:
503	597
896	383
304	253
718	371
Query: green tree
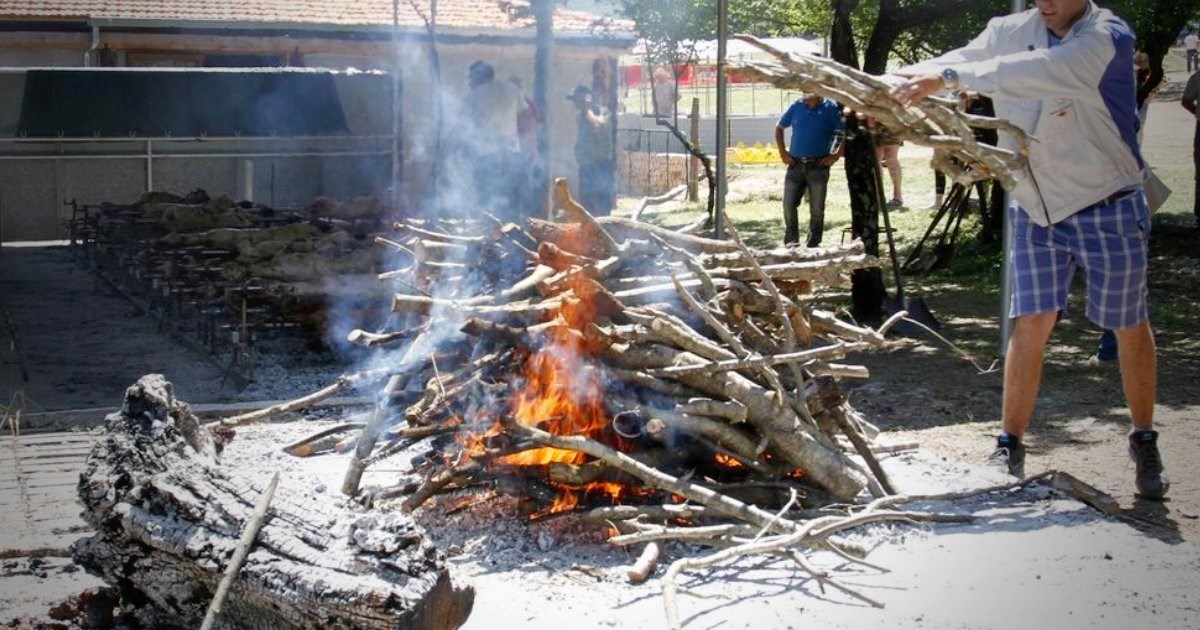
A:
1157	24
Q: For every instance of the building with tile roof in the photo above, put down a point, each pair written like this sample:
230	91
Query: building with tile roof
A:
346	37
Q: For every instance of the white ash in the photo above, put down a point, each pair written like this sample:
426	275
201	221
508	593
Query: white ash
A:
1031	546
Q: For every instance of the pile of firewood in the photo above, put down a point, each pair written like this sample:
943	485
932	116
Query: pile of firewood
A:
666	385
574	362
935	122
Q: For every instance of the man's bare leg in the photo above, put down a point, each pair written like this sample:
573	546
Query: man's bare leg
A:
1137	354
1023	369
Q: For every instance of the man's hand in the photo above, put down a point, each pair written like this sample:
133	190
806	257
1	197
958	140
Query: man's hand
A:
786	158
917	88
828	161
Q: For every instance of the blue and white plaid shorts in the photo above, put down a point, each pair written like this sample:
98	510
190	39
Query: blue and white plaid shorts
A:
1108	240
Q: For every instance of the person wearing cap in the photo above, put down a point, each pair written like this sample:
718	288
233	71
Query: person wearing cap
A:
816	124
491	145
1063	72
594	153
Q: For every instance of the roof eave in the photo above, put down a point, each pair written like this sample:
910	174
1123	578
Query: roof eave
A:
615	39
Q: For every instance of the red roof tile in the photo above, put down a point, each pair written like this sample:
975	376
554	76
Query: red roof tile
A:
474	15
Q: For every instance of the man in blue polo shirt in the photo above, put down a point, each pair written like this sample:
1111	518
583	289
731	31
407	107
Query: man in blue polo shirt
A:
816	124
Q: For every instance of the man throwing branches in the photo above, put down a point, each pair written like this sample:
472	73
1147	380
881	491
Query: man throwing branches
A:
1065	71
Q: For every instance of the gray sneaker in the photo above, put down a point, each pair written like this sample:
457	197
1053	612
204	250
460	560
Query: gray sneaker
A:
1151	480
1009	456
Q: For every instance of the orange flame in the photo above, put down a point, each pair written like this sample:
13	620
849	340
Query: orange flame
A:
728	461
561	396
569	497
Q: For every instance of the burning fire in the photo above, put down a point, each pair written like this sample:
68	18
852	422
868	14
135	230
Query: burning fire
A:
563	397
727	461
569	496
562	394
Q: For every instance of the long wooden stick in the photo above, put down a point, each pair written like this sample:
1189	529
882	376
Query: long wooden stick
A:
656	478
249	534
342	383
837	350
370	435
562	196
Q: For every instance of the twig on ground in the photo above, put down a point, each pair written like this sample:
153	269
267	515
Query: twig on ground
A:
249	534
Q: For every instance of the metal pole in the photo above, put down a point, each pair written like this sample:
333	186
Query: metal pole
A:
395	178
247	179
722	114
149	165
1006	323
542	76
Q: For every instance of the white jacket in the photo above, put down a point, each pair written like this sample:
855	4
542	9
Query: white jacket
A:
1077	100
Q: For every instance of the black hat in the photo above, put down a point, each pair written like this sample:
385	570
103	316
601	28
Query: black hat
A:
580	90
480	71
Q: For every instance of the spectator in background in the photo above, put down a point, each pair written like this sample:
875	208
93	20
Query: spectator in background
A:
887	151
1189	44
529	120
1190	93
594	153
489	143
604	86
665	96
816	145
1141	63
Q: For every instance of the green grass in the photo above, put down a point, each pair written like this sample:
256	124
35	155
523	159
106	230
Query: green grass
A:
975	271
760	217
972	281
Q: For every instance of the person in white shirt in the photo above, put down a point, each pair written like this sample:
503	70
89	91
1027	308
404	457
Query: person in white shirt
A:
1189	44
489	141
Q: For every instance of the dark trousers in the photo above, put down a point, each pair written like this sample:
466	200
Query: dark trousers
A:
814	180
1196	169
597	187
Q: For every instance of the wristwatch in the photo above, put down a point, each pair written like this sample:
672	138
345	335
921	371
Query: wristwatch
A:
950	79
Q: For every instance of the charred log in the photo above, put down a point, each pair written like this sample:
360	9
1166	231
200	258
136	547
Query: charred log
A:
167	515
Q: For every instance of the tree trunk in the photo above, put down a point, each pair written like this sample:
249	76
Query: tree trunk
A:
866	292
167	518
1158	36
888	26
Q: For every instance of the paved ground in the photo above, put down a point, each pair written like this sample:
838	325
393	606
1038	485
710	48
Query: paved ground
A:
79	343
1033	559
70	344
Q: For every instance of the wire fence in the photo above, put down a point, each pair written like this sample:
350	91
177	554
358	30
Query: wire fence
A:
745	99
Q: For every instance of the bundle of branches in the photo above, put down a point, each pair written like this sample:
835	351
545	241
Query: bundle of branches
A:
934	122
